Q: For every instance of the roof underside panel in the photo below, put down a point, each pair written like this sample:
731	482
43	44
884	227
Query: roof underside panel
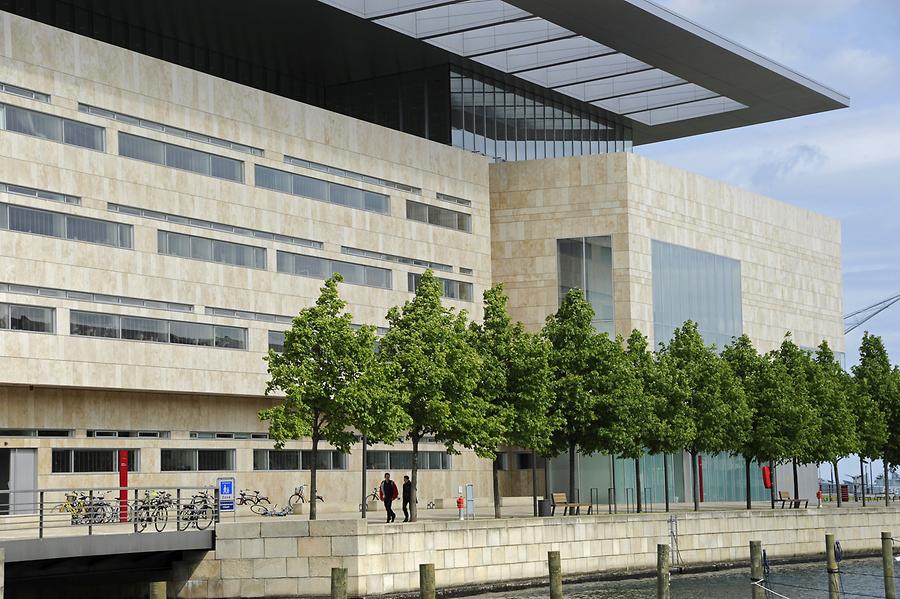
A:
666	75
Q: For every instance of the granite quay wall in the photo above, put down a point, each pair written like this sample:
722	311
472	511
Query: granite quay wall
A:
288	558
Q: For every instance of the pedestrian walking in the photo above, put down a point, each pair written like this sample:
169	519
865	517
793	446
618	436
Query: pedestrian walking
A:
388	493
407	497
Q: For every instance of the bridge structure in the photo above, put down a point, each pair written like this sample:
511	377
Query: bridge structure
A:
114	538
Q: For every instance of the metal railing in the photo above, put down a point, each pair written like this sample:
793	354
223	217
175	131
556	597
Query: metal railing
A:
63	512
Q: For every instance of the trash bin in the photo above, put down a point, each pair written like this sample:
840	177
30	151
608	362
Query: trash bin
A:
544	507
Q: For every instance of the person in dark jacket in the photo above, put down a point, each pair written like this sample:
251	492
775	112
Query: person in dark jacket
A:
407	497
388	493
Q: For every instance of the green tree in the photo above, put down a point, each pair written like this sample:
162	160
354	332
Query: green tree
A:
697	382
877	386
574	369
747	366
514	381
331	383
436	372
802	425
636	423
831	392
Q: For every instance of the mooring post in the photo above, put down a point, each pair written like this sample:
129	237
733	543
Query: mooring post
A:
887	559
662	571
339	583
756	570
834	581
555	575
158	589
426	581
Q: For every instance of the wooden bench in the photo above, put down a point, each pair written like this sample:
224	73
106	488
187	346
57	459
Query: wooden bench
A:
785	498
560	500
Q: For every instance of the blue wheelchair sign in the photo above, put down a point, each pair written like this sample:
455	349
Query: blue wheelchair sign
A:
226	495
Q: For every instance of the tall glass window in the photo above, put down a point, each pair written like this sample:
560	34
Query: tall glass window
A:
693	285
586	263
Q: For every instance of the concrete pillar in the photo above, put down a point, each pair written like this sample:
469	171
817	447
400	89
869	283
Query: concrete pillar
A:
158	590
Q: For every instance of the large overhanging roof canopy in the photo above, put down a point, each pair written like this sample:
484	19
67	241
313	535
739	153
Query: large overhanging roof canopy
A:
670	77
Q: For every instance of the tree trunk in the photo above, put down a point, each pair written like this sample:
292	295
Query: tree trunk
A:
312	476
365	495
695	482
862	478
887	484
496	473
414	495
772	483
637	484
612	473
747	472
666	478
571	496
534	481
837	485
796	482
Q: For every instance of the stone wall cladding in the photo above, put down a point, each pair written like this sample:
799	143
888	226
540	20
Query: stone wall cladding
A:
384	559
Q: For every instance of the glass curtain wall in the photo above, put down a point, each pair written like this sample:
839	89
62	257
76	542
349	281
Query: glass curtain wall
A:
586	263
506	123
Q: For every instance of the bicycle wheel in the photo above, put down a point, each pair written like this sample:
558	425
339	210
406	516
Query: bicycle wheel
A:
295	498
160	519
204	518
259	509
184	518
142	515
263	500
105	513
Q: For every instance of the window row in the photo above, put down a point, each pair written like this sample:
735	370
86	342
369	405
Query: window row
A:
322	268
444	197
42	194
133	120
325	191
91	460
441	217
188	159
51	127
276	338
129	434
23	92
196	222
333	170
228	313
99	298
27	318
219	435
211	250
202	460
298	459
398	259
459	290
64	226
134	328
35	432
402	460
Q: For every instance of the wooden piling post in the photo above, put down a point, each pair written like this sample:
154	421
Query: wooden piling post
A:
834	580
662	571
158	590
555	574
756	569
339	583
887	559
426	581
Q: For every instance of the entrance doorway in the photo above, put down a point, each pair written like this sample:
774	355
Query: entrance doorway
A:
18	481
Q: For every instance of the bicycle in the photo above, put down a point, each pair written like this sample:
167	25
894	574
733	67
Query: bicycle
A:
153	507
263	510
299	496
75	505
245	498
199	513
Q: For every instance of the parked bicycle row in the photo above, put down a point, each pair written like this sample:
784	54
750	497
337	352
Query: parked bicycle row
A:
152	509
261	505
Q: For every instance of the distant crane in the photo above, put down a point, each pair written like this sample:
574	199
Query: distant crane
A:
859	317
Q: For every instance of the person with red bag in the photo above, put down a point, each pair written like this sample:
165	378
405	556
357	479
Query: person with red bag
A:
388	492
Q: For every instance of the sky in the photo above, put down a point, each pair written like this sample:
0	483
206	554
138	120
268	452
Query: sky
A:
844	163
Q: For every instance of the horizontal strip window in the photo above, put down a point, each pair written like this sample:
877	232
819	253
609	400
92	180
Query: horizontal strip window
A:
54	128
35	432
193	460
322	268
186	159
133	120
333	170
298	459
107	434
402	460
215	435
453	199
441	217
99	298
458	290
64	461
211	250
324	191
248	315
466	271
39	193
206	224
398	259
34	319
276	338
134	328
64	226
24	92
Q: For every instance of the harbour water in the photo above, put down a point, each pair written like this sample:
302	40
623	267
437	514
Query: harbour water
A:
861	579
